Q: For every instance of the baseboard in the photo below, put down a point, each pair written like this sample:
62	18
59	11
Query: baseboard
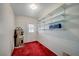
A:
48	48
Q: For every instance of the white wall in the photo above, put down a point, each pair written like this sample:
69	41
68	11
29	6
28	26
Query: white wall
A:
6	29
23	21
66	40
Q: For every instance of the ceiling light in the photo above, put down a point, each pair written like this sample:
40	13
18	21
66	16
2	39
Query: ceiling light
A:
33	6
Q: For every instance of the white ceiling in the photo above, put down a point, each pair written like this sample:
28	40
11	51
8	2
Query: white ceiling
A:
23	9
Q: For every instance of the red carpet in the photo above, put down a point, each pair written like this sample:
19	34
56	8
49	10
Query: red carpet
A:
32	49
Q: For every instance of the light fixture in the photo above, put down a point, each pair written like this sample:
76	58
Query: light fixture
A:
33	6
